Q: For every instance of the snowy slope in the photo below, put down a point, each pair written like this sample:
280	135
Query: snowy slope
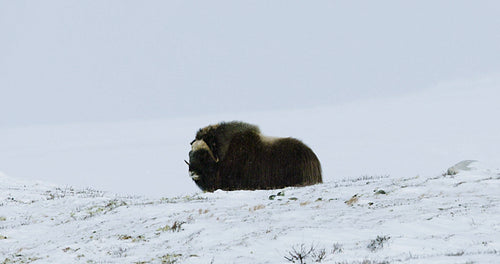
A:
437	218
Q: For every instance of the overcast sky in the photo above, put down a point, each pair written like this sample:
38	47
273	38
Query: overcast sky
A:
98	61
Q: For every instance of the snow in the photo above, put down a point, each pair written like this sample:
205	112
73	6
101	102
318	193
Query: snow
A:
121	193
437	218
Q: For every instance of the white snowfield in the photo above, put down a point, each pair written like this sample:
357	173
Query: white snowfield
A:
452	217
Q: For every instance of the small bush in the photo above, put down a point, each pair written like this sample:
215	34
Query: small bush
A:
378	243
337	248
170	258
319	255
131	238
300	253
176	227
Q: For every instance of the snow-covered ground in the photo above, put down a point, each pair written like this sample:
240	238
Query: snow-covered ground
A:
438	218
120	192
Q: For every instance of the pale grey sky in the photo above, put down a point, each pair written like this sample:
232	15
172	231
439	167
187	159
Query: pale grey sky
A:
97	61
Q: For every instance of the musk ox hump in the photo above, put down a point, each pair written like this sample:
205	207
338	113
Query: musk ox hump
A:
268	139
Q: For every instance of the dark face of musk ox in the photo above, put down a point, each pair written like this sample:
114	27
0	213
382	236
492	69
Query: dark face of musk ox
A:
208	148
202	165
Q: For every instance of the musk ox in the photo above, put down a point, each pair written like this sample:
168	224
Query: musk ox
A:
236	156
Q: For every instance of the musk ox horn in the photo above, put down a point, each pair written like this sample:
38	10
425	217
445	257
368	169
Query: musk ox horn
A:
201	145
187	163
241	158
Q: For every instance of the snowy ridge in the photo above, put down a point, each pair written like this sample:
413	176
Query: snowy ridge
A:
448	218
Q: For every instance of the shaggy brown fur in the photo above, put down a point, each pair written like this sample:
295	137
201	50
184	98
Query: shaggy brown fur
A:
236	156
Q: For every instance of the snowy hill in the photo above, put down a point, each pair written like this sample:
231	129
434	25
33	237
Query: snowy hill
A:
441	218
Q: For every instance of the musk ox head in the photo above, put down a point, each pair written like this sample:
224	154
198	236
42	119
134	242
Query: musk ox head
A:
236	156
